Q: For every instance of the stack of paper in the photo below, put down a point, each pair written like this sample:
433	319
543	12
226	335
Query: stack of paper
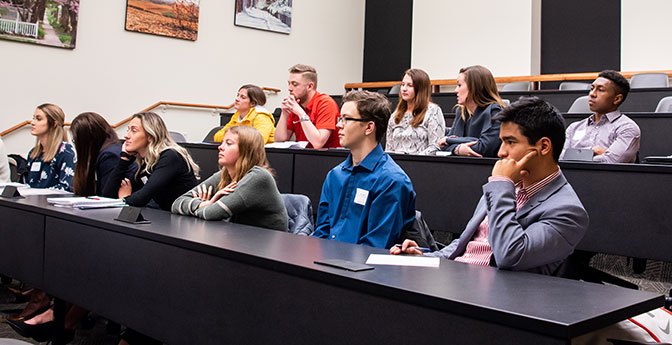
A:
288	145
86	202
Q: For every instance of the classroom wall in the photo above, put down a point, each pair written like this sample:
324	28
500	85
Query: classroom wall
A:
117	73
449	35
645	38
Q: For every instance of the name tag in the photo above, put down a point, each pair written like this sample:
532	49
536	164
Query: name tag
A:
578	135
144	179
35	166
360	196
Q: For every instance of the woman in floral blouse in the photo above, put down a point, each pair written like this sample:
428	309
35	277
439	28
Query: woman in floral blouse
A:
52	160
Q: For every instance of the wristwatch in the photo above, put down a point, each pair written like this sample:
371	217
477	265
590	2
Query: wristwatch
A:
304	118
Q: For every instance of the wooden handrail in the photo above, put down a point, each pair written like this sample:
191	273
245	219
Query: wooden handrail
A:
502	80
124	121
272	89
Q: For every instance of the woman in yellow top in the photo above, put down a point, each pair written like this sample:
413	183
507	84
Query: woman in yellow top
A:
250	102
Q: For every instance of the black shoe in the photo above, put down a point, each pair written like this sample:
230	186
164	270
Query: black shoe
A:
40	332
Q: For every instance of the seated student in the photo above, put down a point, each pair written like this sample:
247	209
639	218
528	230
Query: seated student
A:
529	218
52	160
249	104
417	124
368	199
310	115
165	170
4	163
474	133
613	137
98	152
244	191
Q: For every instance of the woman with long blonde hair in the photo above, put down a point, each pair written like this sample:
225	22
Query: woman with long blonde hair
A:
165	170
417	123
473	133
52	160
244	191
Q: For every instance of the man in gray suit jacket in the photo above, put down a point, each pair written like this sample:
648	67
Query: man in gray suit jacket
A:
529	217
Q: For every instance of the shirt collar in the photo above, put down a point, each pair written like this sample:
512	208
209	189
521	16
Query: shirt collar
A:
533	189
370	161
309	106
611	116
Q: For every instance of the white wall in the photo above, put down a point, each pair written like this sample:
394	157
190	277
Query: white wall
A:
117	73
646	35
449	35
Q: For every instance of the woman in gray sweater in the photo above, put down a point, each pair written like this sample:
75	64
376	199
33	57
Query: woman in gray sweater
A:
244	191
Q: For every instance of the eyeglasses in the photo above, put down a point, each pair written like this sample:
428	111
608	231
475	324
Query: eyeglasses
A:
343	119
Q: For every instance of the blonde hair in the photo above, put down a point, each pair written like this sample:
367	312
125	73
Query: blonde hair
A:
251	152
423	96
56	133
306	71
482	88
159	140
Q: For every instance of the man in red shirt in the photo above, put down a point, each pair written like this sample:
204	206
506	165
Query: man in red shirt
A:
310	115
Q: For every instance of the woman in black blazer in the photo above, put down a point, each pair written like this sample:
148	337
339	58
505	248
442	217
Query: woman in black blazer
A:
473	133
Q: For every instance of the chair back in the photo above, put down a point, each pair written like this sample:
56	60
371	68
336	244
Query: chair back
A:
580	105
394	90
646	80
210	137
665	105
572	85
420	233
178	137
299	214
517	86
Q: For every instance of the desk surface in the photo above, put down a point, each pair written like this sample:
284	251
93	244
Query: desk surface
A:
530	302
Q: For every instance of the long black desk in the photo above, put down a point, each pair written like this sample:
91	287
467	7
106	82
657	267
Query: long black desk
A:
637	100
627	203
188	281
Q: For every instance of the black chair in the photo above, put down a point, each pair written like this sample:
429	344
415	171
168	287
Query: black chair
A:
299	214
210	137
577	267
421	234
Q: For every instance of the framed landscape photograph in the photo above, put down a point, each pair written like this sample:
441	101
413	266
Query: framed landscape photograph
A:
172	18
270	15
45	22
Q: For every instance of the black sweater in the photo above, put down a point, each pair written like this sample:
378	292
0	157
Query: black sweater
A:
170	177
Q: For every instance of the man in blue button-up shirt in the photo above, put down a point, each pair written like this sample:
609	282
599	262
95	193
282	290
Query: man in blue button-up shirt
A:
367	199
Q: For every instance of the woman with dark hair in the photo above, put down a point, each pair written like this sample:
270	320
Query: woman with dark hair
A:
417	124
52	160
165	170
250	111
473	133
98	150
244	191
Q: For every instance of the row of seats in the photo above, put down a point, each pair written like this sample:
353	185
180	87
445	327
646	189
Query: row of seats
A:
638	81
580	105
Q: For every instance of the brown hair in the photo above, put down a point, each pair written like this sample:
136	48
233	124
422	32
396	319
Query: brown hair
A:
306	71
482	88
56	134
371	106
251	152
255	94
423	96
91	134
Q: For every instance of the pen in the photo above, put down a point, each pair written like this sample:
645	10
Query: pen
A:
422	249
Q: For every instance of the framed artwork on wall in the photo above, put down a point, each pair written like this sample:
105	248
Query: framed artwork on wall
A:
172	18
270	15
44	22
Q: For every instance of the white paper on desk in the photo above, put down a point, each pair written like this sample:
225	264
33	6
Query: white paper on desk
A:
41	191
403	260
15	184
288	145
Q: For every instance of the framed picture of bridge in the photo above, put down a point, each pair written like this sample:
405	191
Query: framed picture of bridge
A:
45	22
270	15
172	18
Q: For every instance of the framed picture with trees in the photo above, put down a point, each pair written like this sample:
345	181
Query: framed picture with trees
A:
46	22
172	18
269	15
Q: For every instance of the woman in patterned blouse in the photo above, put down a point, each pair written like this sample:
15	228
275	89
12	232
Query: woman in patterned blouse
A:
52	160
417	124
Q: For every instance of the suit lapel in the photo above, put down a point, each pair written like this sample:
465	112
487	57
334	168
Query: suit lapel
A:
542	195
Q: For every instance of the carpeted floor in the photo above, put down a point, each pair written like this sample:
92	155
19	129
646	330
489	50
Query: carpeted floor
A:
656	278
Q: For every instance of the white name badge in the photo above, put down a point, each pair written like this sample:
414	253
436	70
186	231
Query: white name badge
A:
144	179
578	135
35	166
361	196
